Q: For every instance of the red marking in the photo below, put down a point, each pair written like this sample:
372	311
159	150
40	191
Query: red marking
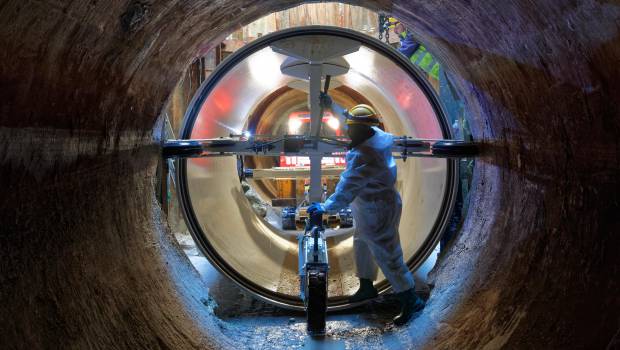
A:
294	161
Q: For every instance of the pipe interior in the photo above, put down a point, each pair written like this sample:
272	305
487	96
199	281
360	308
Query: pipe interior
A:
86	258
259	250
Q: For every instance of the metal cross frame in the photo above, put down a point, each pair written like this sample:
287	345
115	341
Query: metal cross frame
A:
314	60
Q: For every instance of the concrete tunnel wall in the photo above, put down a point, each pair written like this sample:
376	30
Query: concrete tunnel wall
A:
86	261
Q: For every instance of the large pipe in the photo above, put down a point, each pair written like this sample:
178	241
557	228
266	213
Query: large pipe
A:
86	262
257	254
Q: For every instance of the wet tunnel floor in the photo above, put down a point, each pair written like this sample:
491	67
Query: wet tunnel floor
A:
260	325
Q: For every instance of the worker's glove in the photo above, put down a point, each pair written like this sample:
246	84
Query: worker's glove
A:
325	100
316	209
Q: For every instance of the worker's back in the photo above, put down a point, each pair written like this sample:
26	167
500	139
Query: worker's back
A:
376	153
369	177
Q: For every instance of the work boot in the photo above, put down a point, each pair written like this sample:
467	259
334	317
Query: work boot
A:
410	303
366	291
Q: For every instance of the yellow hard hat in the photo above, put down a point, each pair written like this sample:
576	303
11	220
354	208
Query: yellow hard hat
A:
392	22
362	114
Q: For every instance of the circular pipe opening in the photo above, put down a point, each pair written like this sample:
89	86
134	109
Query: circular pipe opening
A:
254	253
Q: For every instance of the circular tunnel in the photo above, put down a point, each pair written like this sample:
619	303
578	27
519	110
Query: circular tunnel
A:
260	255
87	261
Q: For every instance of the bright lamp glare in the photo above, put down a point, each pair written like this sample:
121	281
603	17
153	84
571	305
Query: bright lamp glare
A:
264	67
293	126
333	123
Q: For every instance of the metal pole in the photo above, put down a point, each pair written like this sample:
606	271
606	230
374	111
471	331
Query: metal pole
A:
315	73
163	173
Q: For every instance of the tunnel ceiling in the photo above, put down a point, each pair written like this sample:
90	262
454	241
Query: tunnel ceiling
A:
86	261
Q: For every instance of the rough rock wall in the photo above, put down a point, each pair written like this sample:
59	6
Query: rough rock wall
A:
85	260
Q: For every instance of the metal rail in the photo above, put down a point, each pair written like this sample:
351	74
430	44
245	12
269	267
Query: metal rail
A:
403	148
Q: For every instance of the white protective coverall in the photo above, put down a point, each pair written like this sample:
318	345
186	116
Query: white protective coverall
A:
367	184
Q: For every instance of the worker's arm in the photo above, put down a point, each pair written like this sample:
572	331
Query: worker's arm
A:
352	181
408	46
338	110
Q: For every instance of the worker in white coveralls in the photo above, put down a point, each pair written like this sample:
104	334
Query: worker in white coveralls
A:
368	186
